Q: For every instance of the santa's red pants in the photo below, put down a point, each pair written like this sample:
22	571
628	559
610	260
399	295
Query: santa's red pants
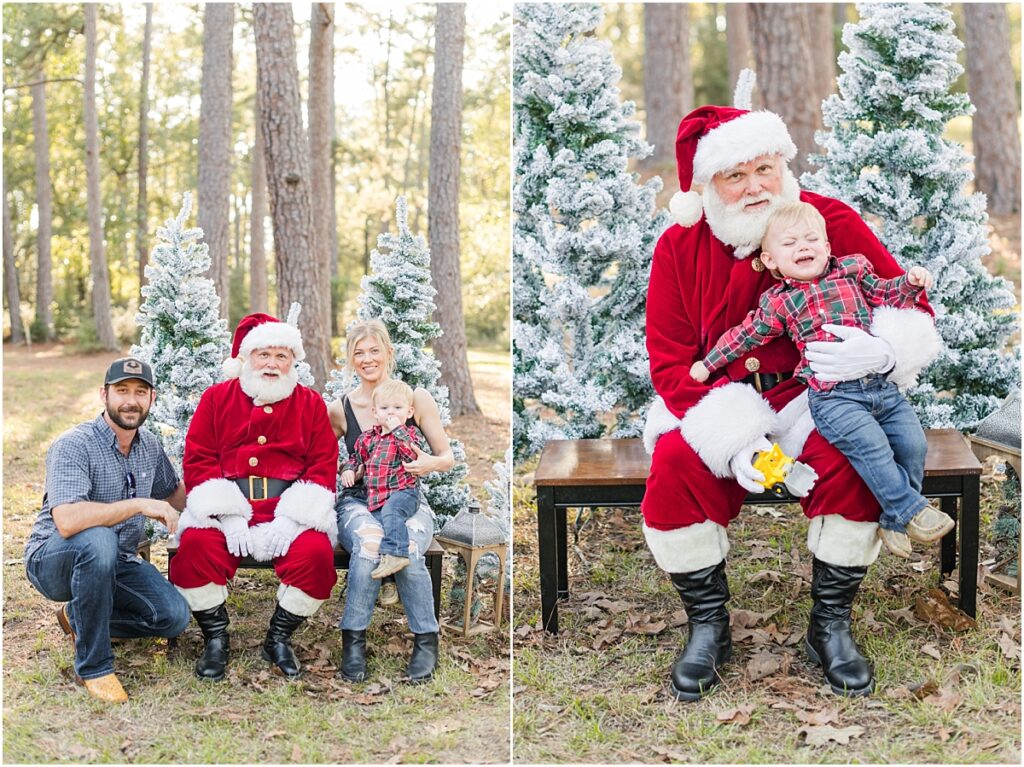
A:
203	558
682	491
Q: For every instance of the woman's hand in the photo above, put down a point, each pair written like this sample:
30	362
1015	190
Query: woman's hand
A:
424	463
348	478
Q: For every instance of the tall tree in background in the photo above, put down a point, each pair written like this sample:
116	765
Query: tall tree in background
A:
42	328
214	203
321	112
821	19
141	212
443	211
97	258
990	82
258	301
300	276
11	290
668	78
737	36
786	72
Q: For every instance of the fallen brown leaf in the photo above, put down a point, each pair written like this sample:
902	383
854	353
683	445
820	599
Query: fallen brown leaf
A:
944	699
934	607
615	607
820	736
1011	650
923	690
818	718
296	754
931	651
670	755
739	715
762	664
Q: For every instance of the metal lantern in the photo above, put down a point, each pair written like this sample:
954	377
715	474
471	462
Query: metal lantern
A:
471	535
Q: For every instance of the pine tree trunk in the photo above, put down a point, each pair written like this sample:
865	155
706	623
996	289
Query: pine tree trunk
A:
443	209
299	275
333	249
97	258
11	289
668	78
786	73
257	249
141	211
44	203
737	37
321	109
214	206
821	16
991	87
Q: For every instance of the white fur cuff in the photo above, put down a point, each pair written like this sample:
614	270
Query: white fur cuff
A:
913	338
724	422
794	424
838	541
217	498
688	549
311	505
204	597
659	421
296	601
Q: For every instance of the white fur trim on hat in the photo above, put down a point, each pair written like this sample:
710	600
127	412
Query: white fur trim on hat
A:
686	208
204	597
217	498
311	505
660	420
688	549
741	140
724	422
839	541
270	334
297	601
913	338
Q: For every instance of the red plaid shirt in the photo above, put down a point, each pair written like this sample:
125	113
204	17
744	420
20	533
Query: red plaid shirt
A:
382	456
843	295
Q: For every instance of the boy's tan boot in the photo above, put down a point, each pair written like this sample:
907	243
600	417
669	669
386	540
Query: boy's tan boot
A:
929	524
389	565
898	543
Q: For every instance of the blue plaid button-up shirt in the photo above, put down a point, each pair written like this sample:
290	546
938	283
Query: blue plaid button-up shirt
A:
85	464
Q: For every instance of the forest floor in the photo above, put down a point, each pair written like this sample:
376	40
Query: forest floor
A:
253	716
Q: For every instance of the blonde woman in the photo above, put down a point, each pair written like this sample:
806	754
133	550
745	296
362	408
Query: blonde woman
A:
370	355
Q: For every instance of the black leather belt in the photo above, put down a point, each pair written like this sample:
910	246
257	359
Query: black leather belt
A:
766	381
261	488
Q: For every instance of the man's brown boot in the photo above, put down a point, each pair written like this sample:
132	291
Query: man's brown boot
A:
106	688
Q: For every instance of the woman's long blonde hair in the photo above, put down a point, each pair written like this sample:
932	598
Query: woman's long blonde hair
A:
370	329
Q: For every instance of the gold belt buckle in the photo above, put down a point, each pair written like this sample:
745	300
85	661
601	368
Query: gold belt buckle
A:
252	489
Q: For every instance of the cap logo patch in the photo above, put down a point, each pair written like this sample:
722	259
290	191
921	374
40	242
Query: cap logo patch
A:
132	366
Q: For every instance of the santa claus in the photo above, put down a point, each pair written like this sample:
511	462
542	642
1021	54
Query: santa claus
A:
260	464
705	278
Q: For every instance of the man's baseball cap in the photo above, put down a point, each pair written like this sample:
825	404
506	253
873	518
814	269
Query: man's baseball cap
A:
129	367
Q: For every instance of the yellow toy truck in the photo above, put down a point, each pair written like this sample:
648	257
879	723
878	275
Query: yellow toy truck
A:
782	473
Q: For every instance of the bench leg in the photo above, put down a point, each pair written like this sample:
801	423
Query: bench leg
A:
948	544
969	512
548	550
434	565
561	529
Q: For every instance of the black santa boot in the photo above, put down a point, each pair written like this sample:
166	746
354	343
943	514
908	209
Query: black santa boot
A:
277	647
353	655
704	593
829	641
214	625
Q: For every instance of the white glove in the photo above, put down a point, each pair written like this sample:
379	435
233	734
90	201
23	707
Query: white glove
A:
857	355
237	535
742	465
279	534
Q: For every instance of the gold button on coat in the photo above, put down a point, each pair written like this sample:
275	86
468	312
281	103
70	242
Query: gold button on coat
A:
268	409
757	264
261	440
753	364
253	461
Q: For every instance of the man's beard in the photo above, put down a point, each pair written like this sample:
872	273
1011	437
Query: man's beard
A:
117	417
742	229
266	391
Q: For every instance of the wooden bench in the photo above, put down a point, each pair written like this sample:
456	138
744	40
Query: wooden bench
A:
613	472
341	557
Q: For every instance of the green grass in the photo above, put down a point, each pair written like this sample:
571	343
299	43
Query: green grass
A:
254	716
575	703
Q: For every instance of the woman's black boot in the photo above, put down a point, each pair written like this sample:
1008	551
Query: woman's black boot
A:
424	658
704	593
214	625
353	656
277	647
829	640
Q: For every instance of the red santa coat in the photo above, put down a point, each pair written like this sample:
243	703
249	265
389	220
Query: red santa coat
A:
698	290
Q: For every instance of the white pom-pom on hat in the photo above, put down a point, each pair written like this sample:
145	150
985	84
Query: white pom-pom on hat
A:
686	208
232	367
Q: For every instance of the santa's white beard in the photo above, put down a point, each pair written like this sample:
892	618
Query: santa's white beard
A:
266	391
743	229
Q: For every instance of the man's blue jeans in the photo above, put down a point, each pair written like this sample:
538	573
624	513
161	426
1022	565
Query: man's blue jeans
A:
870	422
108	594
361	534
398	509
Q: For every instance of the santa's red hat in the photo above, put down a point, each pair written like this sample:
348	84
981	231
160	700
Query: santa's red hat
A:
261	331
712	139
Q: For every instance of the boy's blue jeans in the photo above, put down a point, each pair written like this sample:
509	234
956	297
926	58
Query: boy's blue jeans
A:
396	511
870	422
109	594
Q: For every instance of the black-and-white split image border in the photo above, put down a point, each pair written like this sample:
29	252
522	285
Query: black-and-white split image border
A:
766	429
257	383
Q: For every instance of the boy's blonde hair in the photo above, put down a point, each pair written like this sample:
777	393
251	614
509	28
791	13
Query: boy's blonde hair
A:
796	212
392	388
376	330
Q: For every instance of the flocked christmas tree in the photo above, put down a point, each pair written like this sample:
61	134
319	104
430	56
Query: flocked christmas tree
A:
583	236
398	291
183	336
887	158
